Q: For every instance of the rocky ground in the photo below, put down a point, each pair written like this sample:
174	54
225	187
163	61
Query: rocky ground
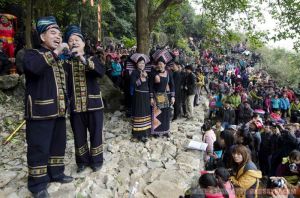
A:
161	168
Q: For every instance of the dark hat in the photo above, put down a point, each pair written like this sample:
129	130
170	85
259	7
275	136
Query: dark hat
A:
45	23
72	29
189	67
137	57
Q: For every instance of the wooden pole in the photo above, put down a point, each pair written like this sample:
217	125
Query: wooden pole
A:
99	20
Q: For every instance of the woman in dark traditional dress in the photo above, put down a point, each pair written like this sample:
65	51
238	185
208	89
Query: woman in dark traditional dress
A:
162	93
139	89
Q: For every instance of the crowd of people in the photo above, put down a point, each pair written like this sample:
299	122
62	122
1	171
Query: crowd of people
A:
252	129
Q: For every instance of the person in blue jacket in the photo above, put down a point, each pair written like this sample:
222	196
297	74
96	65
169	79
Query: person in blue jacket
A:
284	106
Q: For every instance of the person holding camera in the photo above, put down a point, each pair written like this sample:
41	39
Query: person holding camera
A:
86	105
290	168
246	176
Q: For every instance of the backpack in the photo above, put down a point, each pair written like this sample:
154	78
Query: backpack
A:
116	69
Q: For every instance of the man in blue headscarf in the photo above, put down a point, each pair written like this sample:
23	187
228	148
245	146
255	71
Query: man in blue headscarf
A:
86	105
45	109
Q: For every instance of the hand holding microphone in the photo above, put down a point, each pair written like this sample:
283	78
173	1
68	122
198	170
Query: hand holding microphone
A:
62	47
78	52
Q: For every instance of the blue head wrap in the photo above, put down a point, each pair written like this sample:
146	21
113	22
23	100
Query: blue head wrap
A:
72	29
45	23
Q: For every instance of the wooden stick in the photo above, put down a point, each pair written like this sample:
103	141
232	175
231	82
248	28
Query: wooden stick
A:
13	133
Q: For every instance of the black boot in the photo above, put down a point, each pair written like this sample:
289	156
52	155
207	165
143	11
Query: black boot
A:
81	168
41	194
64	179
96	168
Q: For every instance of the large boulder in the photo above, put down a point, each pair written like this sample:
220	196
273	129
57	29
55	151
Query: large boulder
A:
163	189
9	81
111	95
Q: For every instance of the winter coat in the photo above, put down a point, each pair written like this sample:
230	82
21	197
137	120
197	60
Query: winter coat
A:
229	115
191	84
209	138
247	178
284	103
245	114
275	103
235	101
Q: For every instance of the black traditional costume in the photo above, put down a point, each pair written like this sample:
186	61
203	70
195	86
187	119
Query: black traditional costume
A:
161	92
45	110
141	108
86	106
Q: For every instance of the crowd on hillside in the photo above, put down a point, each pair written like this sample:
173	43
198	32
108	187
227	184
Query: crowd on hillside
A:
252	128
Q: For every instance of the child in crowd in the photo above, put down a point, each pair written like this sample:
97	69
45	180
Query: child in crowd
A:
209	137
209	185
275	103
284	106
222	176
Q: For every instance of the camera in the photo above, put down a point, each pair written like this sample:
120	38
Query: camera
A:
293	167
276	183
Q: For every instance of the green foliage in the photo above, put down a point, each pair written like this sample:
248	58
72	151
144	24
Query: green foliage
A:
128	42
255	41
183	44
284	66
120	19
287	14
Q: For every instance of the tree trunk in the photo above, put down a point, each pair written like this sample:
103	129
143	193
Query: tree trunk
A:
142	26
28	23
146	19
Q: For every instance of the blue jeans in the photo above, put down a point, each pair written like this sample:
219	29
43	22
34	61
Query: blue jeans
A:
225	125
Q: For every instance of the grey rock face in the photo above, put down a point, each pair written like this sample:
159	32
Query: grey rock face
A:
162	167
9	81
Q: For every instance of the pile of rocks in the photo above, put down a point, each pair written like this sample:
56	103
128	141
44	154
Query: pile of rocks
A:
161	168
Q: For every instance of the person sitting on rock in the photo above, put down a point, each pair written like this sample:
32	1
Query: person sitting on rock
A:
209	137
209	185
246	175
222	176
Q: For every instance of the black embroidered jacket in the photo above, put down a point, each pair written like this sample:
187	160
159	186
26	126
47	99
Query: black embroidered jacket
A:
45	89
83	89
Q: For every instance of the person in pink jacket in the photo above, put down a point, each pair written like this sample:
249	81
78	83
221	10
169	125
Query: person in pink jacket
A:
222	176
268	104
209	138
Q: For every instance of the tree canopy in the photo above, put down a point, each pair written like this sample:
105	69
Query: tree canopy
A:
175	18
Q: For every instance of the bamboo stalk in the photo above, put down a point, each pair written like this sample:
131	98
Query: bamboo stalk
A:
99	21
13	133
